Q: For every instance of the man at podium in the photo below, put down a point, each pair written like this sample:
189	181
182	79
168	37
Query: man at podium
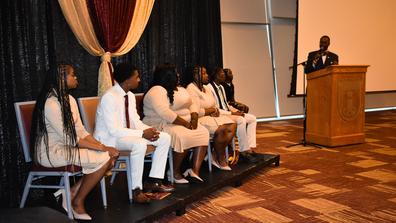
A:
321	58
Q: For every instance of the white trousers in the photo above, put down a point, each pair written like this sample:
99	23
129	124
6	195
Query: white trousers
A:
246	131
138	147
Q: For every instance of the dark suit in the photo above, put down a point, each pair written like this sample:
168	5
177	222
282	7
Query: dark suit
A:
229	90
230	93
331	59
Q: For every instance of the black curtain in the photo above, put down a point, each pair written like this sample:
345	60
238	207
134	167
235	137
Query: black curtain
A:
34	36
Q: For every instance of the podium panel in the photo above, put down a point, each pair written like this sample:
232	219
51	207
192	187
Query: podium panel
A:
335	105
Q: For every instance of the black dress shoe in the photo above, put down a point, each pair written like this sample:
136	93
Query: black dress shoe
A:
248	157
158	187
139	197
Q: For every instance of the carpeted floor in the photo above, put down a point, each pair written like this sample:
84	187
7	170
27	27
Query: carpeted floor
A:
345	184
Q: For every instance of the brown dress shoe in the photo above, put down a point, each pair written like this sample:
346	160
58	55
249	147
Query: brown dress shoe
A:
139	197
158	187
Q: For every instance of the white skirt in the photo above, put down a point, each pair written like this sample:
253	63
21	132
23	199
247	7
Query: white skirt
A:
183	138
90	160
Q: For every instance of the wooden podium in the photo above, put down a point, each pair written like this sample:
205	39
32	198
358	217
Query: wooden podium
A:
335	105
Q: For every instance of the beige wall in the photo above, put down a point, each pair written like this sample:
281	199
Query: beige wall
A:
246	50
237	11
361	32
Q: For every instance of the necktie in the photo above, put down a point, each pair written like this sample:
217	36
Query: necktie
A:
127	111
223	97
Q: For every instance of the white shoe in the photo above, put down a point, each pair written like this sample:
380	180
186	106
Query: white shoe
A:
83	216
190	172
216	164
181	181
177	181
57	194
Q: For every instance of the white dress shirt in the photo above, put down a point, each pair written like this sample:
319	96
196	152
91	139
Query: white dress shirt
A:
227	109
110	117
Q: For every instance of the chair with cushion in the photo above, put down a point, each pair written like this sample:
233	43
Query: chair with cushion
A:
24	113
88	106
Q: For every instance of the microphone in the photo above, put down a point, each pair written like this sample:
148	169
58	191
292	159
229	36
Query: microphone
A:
321	52
318	55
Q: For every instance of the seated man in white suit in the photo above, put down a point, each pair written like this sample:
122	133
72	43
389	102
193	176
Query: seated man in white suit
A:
246	123
118	124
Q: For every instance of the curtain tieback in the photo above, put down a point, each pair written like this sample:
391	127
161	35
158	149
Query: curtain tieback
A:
106	57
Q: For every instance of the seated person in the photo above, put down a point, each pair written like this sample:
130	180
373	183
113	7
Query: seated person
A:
170	109
246	123
118	124
59	138
230	93
219	126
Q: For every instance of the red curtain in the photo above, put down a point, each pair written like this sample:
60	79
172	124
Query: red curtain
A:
111	20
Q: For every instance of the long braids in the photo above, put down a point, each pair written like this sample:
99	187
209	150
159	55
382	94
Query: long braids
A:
197	77
55	85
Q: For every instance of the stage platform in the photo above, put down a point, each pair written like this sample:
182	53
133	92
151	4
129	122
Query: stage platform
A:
120	210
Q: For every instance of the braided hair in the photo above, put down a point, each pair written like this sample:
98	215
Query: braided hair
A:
55	85
194	75
197	77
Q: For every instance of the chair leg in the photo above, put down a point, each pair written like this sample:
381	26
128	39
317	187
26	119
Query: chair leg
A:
103	190
26	190
170	159
61	182
113	176
68	196
129	178
209	157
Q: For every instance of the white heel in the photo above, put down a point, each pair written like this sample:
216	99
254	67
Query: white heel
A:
190	172
181	181
57	194
177	181
83	216
64	205
216	164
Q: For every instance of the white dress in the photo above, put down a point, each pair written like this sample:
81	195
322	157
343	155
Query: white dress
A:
204	99
159	113
89	160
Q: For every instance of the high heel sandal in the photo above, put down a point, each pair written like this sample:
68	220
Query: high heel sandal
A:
181	181
83	216
216	164
177	181
61	192
190	172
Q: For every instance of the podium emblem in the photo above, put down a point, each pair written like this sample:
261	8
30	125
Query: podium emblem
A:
349	99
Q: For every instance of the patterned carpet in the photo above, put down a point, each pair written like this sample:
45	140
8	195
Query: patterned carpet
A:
345	184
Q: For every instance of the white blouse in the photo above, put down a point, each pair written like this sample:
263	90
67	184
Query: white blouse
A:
158	110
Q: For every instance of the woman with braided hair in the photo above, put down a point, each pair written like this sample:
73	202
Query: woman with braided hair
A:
219	126
169	108
59	139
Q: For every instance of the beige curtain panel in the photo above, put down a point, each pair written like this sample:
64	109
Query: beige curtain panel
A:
78	17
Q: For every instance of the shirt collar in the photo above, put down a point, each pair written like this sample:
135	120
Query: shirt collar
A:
119	90
218	86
